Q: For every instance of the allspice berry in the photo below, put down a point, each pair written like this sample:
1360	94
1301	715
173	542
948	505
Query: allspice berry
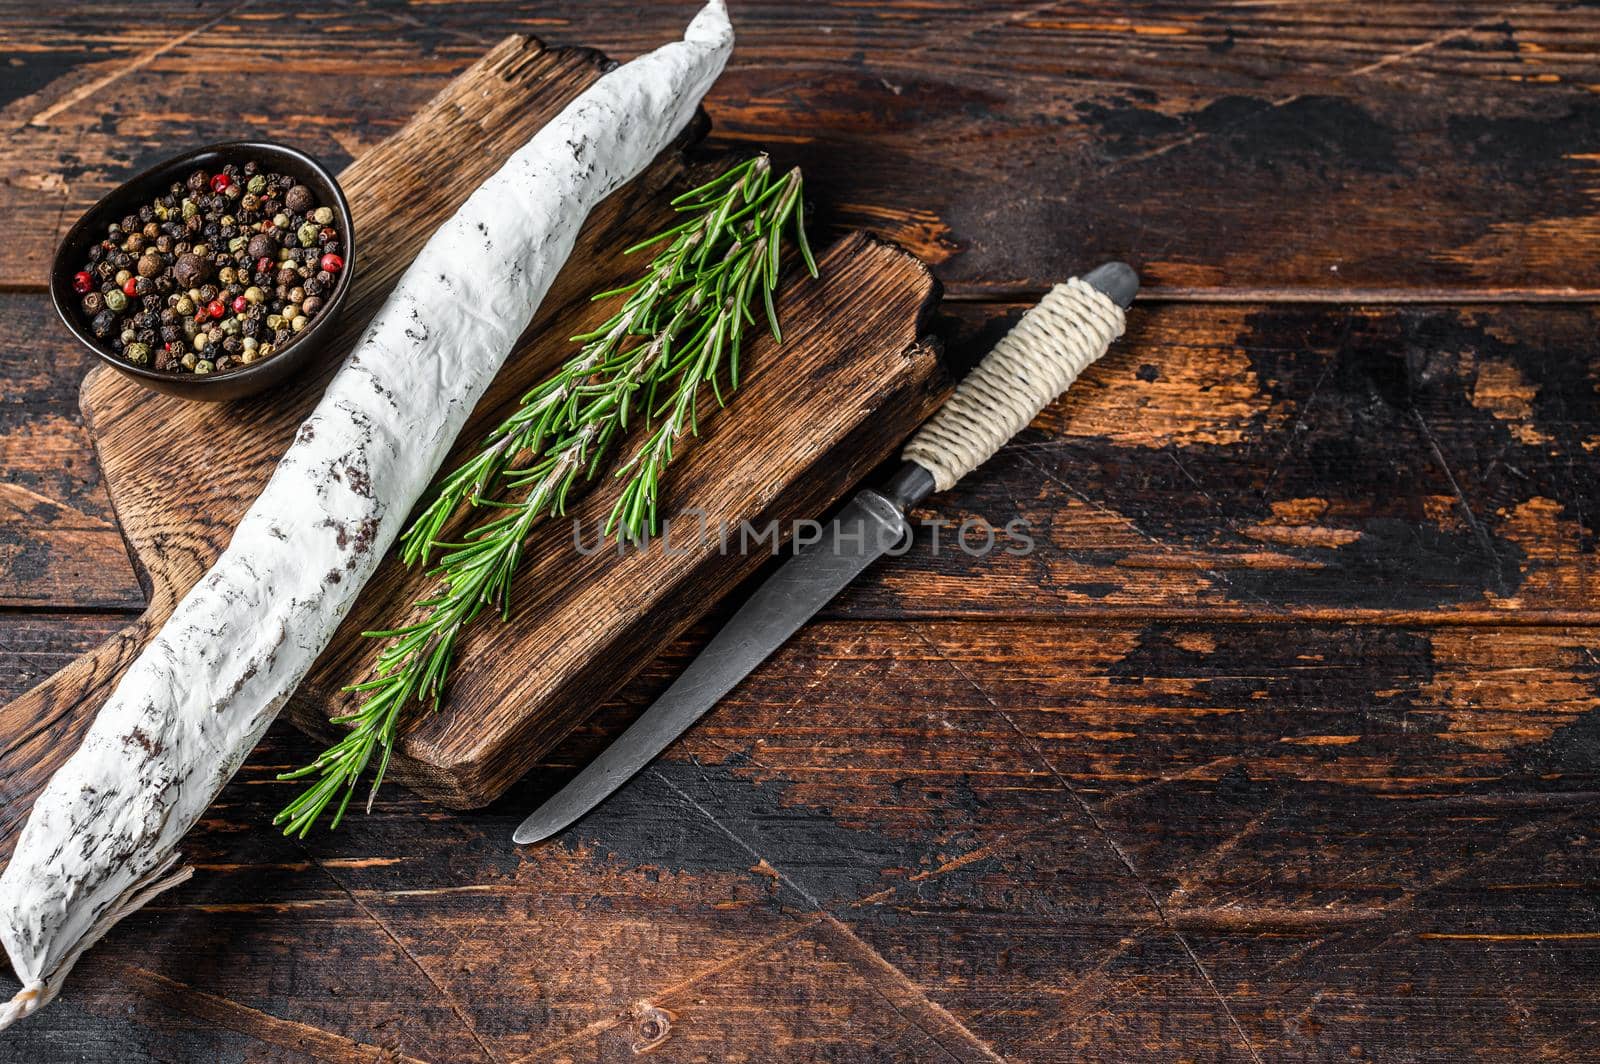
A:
149	265
190	269
263	246
298	199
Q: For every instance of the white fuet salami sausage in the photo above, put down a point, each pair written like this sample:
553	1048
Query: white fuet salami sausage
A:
102	839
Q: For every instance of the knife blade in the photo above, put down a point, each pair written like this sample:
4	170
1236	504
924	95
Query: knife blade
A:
1033	365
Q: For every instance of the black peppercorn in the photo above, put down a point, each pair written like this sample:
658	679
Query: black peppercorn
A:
198	181
93	303
103	323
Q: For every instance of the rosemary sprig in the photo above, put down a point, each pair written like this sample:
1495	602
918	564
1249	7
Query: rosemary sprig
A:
678	330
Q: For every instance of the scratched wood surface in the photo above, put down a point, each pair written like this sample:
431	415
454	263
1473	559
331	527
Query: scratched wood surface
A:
1281	743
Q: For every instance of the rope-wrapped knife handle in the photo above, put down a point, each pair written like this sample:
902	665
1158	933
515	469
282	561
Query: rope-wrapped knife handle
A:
1028	369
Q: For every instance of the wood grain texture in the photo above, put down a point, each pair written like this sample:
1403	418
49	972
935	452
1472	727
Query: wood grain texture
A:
1255	460
911	841
1008	142
1251	760
59	541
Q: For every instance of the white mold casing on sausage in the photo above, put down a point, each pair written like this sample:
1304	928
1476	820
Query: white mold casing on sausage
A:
102	838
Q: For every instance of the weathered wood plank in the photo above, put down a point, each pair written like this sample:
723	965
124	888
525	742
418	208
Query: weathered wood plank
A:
1228	146
1088	836
59	544
1253	460
34	645
1053	841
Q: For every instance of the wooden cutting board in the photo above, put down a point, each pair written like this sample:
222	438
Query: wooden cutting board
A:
852	379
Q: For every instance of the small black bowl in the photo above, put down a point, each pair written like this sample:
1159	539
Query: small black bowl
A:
238	381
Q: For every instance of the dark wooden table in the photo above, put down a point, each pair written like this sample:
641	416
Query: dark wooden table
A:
1282	743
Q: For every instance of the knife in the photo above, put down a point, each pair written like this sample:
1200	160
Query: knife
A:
1027	370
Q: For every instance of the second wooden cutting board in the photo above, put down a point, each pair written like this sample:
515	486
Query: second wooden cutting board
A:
853	377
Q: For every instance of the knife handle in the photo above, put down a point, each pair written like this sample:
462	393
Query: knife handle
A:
1028	369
